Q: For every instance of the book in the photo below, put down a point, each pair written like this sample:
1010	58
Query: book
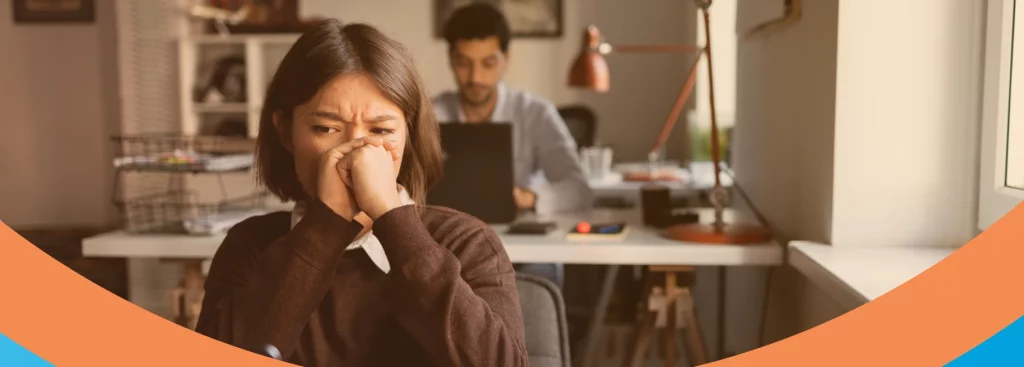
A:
599	232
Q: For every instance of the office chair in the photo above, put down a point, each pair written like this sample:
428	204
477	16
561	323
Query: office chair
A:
547	335
582	124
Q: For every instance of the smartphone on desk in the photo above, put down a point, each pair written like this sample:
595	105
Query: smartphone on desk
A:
530	227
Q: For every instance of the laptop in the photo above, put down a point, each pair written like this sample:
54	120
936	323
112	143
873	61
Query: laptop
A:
478	172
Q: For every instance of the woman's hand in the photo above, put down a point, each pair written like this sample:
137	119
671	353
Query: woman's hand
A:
331	189
369	171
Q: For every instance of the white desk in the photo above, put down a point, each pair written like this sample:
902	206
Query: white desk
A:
641	246
855	276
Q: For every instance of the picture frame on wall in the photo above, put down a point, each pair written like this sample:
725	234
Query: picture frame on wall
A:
527	18
54	11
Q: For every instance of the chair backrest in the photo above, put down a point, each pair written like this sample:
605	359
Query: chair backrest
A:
582	124
547	336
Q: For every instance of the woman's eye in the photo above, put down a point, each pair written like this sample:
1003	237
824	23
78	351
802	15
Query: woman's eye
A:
382	131
320	129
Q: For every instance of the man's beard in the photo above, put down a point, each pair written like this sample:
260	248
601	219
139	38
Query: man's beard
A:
476	99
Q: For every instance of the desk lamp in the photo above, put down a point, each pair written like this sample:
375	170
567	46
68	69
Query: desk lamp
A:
590	71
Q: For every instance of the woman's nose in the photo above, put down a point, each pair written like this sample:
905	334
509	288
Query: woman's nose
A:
356	133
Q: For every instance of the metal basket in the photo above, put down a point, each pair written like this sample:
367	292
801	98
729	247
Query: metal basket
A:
182	153
167	212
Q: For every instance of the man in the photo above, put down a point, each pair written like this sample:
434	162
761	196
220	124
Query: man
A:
478	37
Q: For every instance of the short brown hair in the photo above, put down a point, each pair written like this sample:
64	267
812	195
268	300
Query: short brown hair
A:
330	50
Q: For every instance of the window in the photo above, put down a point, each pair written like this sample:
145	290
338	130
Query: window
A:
723	37
1001	184
1012	148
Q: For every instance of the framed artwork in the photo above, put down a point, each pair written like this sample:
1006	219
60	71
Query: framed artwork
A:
527	18
42	11
261	16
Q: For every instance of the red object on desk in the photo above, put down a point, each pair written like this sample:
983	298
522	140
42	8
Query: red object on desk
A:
583	227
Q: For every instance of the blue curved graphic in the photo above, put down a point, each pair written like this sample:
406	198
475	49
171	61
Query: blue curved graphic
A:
13	354
1002	349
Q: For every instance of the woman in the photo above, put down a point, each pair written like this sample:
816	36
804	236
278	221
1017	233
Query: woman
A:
347	132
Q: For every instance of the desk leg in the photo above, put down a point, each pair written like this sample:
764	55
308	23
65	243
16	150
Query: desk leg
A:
640	340
721	314
670	308
596	329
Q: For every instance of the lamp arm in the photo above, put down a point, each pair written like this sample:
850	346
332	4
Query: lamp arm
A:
627	48
711	99
677	109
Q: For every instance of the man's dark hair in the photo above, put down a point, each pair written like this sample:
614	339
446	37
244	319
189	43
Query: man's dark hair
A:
478	20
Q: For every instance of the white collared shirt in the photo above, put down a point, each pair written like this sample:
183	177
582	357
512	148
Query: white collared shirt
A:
368	242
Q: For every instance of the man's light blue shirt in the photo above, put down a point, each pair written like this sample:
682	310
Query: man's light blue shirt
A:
541	145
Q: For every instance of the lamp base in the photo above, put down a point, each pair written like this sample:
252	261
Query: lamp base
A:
648	176
728	233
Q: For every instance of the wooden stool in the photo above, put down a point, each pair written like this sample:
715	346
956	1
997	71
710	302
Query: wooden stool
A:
667	302
188	297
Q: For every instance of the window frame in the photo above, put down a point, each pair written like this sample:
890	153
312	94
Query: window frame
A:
995	199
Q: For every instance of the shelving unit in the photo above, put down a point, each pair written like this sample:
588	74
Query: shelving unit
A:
208	160
197	187
197	55
209	187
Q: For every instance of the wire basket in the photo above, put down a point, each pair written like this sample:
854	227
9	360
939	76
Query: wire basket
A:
177	212
182	153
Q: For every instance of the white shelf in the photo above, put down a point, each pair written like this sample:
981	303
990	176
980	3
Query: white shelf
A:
854	276
270	38
262	54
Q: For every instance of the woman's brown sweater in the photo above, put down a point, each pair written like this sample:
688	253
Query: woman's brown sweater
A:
449	300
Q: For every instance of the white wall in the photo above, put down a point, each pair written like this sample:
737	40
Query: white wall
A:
783	155
60	106
644	86
858	126
906	149
786	108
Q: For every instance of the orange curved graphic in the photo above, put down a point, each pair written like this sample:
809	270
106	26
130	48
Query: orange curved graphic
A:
69	321
928	321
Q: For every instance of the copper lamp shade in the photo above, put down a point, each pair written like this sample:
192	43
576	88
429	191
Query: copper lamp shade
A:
590	70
